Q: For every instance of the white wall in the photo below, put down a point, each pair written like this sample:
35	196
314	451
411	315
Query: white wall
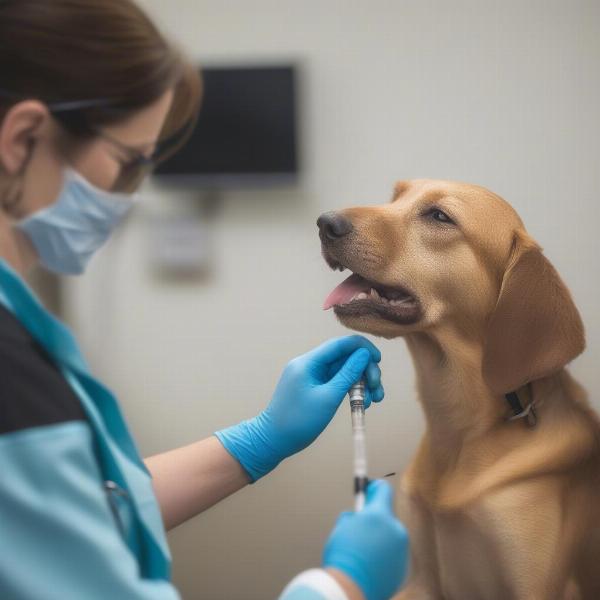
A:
504	94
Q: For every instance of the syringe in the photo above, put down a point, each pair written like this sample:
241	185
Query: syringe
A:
357	408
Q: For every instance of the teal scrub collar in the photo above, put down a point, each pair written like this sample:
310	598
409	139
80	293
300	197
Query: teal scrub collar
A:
46	329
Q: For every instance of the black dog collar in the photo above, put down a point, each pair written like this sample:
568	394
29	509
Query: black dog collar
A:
518	411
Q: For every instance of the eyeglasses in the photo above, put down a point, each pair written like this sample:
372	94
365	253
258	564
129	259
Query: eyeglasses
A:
134	165
137	165
58	107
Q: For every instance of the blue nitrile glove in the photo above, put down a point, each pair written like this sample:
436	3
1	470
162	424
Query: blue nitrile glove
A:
308	394
370	546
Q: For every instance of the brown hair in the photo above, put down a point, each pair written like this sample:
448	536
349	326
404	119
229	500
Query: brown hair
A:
75	50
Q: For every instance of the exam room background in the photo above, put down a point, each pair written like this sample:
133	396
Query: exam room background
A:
504	94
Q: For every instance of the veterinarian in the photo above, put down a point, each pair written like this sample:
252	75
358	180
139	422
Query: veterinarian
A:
91	98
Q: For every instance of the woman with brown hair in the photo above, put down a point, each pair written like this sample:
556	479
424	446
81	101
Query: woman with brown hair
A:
92	96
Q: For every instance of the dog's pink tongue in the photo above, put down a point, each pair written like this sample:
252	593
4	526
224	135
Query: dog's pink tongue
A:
344	292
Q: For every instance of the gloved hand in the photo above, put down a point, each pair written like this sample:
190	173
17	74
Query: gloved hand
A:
370	546
306	398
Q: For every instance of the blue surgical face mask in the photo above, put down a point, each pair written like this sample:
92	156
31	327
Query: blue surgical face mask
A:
67	233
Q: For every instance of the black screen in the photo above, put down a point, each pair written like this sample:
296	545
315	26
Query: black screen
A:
247	125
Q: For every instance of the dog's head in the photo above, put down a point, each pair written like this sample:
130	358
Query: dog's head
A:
446	255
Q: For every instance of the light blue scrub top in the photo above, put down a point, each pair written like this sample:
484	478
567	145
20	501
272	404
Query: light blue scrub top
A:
63	533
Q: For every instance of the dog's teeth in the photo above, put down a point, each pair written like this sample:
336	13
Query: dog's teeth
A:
362	296
401	301
374	294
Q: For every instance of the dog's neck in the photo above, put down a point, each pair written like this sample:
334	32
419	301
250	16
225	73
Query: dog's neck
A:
457	403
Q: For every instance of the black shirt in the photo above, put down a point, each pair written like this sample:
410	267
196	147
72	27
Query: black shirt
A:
33	392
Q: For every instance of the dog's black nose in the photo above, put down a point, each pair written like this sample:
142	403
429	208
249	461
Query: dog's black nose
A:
333	226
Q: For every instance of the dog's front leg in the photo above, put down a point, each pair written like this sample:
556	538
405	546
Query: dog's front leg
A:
423	577
414	591
532	529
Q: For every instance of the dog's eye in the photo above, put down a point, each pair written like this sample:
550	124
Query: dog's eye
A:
438	215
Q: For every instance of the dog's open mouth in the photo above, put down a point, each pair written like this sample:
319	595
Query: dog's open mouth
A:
359	297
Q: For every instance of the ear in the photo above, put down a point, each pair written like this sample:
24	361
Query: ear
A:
18	129
535	328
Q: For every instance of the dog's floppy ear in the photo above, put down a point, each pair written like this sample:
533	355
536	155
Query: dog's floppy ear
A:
535	328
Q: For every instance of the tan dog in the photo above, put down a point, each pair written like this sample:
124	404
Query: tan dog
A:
497	509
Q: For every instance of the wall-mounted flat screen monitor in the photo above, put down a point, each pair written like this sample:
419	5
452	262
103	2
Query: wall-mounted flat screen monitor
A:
247	131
